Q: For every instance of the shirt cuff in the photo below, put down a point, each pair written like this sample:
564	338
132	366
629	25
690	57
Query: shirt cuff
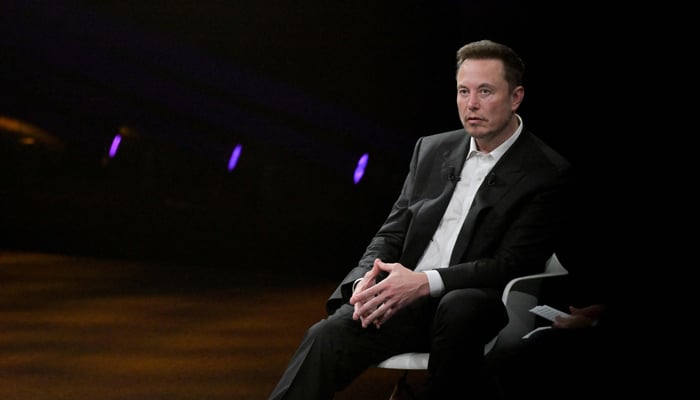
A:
437	287
354	284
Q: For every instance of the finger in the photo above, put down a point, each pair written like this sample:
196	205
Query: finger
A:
367	295
368	319
362	296
363	312
372	303
357	313
357	295
379	315
367	282
375	271
371	275
559	321
366	315
387	313
382	266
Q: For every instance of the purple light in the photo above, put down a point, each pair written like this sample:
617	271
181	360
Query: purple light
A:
115	146
235	154
360	169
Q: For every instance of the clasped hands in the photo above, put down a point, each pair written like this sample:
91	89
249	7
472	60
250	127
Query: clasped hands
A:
375	302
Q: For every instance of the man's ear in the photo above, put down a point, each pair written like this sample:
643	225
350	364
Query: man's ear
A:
516	97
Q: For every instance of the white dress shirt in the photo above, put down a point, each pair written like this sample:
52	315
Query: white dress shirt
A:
439	250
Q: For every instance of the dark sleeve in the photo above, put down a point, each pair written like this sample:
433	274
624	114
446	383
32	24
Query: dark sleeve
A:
387	243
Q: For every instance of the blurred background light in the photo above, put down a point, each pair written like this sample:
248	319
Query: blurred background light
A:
360	169
235	155
115	145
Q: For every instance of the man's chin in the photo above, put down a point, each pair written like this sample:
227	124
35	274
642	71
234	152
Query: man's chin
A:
476	133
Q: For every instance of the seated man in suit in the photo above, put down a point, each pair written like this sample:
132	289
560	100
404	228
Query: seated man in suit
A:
480	206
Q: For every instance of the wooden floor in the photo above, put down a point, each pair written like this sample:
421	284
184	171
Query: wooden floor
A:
86	328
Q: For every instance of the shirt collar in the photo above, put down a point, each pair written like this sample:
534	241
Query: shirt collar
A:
503	147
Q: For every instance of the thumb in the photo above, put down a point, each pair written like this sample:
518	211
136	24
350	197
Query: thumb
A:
382	265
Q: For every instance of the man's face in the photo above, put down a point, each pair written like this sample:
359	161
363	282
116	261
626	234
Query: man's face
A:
484	101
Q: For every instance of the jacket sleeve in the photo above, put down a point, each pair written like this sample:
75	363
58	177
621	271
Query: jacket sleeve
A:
387	243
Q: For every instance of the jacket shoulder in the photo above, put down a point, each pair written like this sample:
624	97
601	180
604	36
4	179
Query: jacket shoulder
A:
545	151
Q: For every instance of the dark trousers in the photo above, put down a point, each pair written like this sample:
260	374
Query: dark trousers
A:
453	328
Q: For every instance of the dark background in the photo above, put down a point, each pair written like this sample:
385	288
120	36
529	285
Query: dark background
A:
305	87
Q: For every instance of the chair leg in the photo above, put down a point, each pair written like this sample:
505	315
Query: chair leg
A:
402	391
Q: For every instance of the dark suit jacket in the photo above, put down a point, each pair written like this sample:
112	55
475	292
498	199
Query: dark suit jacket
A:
517	216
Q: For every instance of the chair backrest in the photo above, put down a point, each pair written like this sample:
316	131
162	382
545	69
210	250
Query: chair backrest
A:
553	266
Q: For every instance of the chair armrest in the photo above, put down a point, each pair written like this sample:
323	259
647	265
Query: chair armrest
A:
519	296
531	284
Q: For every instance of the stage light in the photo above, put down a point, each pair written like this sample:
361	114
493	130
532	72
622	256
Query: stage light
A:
360	169
235	155
115	145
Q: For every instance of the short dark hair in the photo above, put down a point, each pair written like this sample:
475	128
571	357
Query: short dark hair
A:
486	49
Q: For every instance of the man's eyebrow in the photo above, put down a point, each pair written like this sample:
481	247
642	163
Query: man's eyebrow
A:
480	86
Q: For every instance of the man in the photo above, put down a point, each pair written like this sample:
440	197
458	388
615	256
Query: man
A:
480	206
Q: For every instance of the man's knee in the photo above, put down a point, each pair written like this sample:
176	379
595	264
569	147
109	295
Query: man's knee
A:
332	328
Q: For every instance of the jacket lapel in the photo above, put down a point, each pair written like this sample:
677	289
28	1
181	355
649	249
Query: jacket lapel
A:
453	157
498	182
